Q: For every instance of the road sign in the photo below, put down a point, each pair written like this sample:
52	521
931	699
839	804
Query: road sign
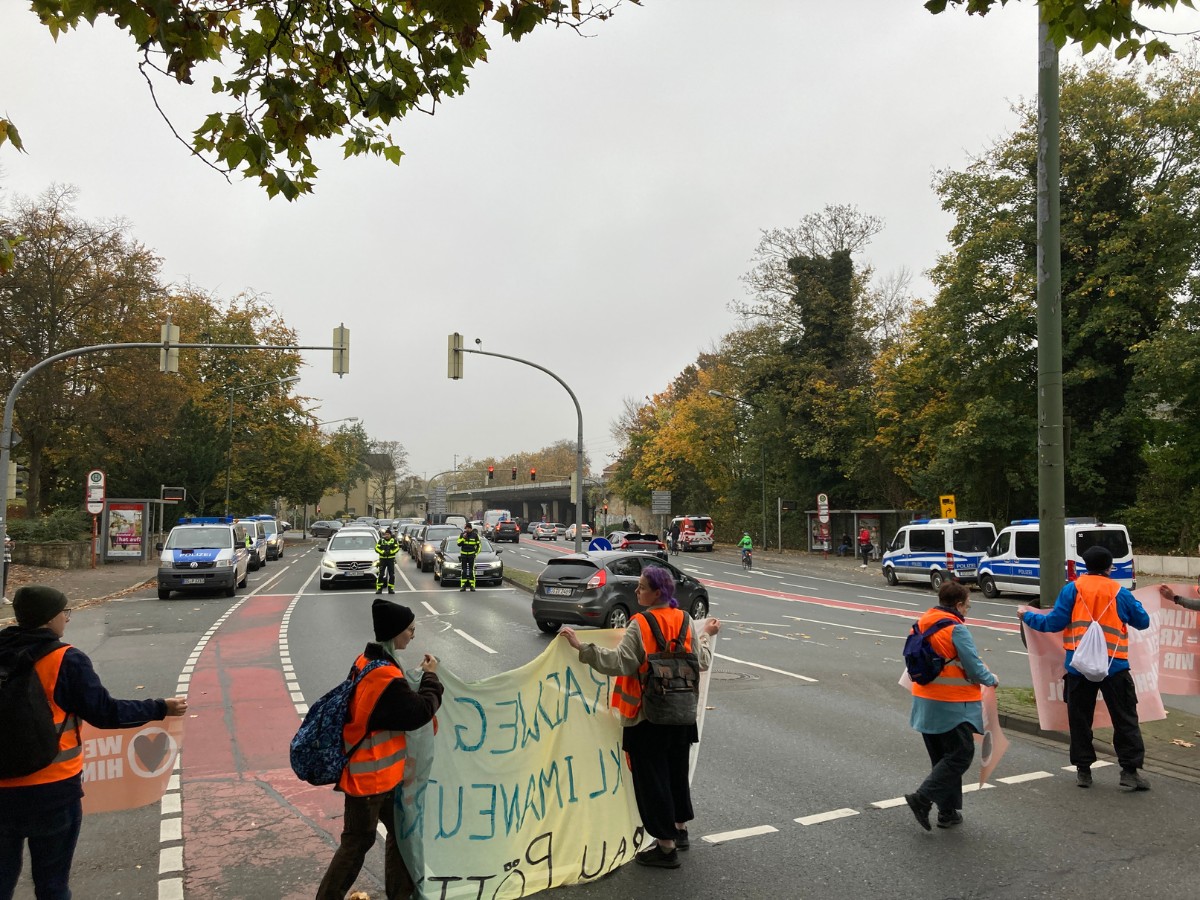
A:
94	492
948	506
660	502
823	509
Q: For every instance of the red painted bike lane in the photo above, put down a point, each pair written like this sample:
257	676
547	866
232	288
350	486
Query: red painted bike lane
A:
250	827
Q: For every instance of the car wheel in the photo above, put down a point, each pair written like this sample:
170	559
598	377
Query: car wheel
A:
242	583
229	592
324	585
700	608
548	627
889	575
618	617
164	593
936	579
987	584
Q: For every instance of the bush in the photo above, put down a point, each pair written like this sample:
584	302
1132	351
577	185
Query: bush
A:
60	525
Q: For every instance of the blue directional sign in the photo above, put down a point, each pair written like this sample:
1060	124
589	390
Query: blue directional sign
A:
599	544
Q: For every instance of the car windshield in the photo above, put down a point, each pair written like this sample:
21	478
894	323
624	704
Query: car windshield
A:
352	541
450	546
199	539
268	528
436	533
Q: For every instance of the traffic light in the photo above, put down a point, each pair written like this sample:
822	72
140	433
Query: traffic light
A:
606	505
341	350
491	472
168	356
514	473
18	481
533	474
454	361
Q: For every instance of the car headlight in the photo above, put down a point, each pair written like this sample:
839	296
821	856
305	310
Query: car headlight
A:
451	566
328	564
222	563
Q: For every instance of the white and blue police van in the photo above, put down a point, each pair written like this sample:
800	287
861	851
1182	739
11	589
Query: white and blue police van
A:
934	551
258	541
1013	565
203	553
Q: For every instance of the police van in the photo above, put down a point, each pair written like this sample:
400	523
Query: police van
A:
934	551
203	553
1013	564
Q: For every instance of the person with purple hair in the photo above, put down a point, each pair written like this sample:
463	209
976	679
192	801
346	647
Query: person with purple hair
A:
658	754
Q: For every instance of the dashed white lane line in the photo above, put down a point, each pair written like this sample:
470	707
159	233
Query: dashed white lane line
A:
832	624
899	801
1098	764
1017	652
466	637
1027	776
826	816
723	836
766	668
876	634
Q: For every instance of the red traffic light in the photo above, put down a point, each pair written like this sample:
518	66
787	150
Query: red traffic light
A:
514	473
491	472
533	474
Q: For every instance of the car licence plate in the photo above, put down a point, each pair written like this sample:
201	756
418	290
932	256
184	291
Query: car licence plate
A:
964	571
193	581
559	591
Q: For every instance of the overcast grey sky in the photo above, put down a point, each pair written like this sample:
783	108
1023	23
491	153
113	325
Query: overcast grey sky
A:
588	204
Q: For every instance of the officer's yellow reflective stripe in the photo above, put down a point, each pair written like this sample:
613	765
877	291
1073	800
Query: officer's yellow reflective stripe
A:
374	739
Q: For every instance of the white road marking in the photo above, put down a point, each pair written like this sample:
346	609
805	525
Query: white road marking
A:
895	637
722	836
833	624
1017	652
466	637
767	668
826	816
170	889
888	600
899	801
1098	764
1028	776
432	611
771	633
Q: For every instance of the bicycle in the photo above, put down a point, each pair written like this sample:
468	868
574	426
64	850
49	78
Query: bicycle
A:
747	560
673	542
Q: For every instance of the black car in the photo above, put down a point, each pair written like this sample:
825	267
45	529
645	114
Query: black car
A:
324	529
597	588
645	543
507	531
448	570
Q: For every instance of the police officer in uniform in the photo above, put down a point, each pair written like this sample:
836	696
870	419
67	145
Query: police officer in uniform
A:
387	547
468	549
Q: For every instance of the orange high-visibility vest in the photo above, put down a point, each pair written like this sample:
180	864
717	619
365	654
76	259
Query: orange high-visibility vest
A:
69	761
1096	600
627	691
376	764
951	686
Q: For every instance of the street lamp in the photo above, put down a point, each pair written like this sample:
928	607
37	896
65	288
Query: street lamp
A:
763	447
333	421
229	457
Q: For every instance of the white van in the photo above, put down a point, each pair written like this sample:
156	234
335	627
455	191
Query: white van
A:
491	517
203	554
1013	563
933	551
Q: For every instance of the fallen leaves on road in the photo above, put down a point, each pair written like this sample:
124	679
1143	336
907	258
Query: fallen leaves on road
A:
1181	743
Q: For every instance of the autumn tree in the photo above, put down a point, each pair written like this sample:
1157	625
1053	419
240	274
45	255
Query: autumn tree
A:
292	74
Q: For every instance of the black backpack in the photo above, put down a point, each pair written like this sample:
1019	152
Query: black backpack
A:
30	737
671	685
922	661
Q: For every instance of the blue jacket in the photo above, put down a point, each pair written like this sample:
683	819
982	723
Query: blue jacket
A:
1129	611
79	691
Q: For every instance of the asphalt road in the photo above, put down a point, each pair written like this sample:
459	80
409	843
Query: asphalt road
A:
806	750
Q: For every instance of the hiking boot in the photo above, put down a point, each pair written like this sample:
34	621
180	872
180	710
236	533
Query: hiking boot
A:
681	839
950	819
463	589
472	590
390	591
659	858
1083	776
378	591
1133	780
920	809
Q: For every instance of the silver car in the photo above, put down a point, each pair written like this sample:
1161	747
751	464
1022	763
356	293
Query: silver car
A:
349	558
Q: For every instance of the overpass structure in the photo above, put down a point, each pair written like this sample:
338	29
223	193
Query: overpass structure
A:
549	500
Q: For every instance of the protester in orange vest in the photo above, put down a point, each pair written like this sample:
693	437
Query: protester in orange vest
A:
948	711
45	808
1096	597
383	707
658	755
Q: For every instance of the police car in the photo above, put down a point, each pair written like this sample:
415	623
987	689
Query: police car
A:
934	551
1013	563
203	553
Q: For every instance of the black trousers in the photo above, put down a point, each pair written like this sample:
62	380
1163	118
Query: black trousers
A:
950	754
362	816
1120	697
386	576
466	578
658	763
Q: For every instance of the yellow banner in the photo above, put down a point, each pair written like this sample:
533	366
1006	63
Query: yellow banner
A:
524	787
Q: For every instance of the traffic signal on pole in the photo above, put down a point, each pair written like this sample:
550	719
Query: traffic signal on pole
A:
514	473
454	362
491	472
533	474
606	506
168	356
18	480
341	350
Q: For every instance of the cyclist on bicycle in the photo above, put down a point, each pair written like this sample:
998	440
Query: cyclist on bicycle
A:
673	537
746	544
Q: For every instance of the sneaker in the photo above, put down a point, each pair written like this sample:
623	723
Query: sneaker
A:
681	839
863	566
1133	780
659	858
1083	776
950	819
920	809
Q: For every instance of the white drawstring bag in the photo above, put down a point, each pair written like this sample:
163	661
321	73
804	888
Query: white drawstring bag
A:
1091	658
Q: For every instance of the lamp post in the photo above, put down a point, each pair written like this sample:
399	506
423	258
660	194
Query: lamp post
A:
332	421
763	448
229	457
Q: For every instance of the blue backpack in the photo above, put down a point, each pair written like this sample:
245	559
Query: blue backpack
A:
922	661
318	750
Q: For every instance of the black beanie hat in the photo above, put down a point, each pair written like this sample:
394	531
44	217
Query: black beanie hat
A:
389	618
1097	559
36	604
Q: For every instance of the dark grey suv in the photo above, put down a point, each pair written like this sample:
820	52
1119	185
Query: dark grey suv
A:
597	588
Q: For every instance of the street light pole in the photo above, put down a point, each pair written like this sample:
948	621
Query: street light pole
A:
229	456
763	448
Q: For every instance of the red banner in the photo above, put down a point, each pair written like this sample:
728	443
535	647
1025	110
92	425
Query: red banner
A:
124	768
1178	634
992	743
